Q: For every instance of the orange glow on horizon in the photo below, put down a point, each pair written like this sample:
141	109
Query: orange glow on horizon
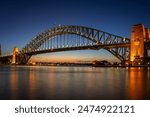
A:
79	56
69	59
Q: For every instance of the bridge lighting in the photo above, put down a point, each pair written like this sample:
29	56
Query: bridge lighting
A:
124	39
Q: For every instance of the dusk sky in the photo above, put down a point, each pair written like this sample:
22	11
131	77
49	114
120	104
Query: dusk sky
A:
21	20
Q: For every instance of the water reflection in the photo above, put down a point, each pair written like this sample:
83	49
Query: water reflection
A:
37	82
51	82
13	83
138	82
32	84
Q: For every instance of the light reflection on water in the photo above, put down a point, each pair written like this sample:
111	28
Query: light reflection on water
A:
55	82
138	83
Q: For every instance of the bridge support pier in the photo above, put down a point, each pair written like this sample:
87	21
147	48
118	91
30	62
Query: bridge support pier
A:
19	58
22	58
140	40
15	52
137	44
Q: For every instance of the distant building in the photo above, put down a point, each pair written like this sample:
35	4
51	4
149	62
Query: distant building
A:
100	63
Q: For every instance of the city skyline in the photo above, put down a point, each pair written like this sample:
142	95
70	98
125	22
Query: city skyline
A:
22	20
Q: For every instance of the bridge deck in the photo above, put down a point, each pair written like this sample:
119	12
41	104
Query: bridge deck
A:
94	47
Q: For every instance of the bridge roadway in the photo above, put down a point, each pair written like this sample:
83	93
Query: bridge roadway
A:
93	47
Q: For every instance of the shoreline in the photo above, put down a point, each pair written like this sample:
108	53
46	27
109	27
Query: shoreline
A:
84	65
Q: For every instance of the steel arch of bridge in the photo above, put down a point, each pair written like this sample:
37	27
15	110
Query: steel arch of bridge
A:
64	38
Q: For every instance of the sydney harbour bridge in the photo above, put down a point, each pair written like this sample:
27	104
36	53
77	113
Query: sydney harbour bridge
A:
72	37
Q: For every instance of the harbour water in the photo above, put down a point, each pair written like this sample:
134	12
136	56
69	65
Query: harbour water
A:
74	82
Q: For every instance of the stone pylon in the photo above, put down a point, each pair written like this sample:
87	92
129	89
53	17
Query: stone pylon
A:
137	44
